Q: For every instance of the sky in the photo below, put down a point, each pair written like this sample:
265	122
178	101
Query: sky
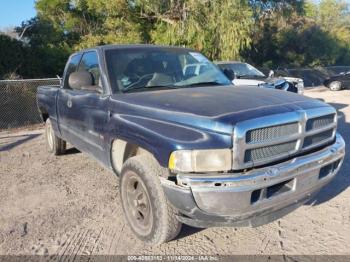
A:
13	12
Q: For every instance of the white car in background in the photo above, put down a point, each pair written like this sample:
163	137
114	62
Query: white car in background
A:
243	74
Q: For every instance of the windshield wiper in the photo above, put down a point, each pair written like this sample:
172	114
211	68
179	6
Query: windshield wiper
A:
148	87
211	83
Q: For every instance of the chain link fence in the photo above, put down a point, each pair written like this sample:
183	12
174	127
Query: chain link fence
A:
18	101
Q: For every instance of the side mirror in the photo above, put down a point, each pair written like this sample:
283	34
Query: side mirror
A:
83	80
80	79
229	73
271	73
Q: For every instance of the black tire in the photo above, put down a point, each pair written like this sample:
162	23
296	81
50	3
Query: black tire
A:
150	217
335	86
54	144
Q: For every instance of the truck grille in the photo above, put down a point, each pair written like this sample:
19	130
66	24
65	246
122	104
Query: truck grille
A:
267	139
268	151
270	133
317	138
319	122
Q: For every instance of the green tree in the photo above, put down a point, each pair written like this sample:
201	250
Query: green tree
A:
218	28
12	55
304	43
294	33
91	22
271	17
47	48
333	16
264	32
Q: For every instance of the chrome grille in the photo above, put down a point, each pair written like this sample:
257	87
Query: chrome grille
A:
270	133
277	137
268	151
317	138
319	122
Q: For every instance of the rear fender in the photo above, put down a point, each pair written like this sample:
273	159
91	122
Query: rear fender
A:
46	101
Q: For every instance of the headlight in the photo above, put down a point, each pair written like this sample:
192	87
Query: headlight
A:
201	160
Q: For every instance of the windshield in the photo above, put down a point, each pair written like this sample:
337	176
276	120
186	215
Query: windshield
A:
142	69
243	69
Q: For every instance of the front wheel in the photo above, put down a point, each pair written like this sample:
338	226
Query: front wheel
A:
54	144
146	208
335	85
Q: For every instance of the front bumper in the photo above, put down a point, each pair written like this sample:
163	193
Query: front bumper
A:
255	197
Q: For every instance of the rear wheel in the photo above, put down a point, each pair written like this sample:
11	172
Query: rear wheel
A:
146	208
335	85
54	144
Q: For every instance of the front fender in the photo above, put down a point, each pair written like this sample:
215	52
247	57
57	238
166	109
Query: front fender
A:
161	138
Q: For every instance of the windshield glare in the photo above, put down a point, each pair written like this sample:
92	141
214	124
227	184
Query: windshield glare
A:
147	69
242	69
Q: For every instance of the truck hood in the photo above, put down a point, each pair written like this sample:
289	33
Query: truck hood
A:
214	108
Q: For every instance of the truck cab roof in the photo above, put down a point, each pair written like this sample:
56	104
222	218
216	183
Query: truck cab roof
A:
132	46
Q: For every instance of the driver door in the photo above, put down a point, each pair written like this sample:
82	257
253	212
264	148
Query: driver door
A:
85	111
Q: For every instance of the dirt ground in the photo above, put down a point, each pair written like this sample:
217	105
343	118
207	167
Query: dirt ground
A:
70	205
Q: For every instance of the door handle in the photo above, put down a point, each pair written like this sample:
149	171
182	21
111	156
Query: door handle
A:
69	103
109	115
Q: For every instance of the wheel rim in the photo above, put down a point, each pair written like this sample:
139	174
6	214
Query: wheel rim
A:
137	204
335	85
49	136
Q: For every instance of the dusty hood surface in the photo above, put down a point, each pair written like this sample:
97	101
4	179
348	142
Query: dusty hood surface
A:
216	108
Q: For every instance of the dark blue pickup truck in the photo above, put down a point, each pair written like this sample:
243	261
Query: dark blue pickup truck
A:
188	146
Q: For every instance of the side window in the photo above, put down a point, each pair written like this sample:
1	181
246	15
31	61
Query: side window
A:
72	66
89	63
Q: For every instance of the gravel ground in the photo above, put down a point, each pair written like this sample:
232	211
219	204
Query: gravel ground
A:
70	205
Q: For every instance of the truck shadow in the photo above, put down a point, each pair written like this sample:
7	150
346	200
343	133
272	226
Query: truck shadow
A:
72	151
187	231
342	180
9	142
